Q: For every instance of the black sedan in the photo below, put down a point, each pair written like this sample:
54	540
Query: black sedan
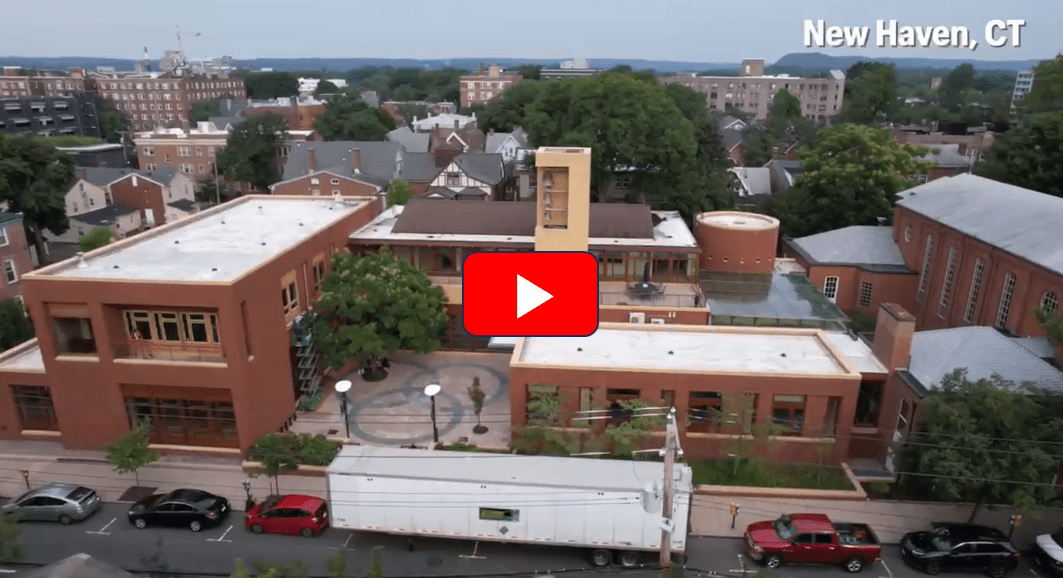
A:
195	509
962	548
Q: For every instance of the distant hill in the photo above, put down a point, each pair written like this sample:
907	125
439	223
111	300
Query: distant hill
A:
816	61
792	63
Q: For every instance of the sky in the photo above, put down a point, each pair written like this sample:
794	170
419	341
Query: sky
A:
677	30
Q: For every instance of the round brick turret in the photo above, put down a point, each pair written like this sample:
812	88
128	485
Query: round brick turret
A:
737	242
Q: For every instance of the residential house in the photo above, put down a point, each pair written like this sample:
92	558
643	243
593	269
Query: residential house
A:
514	148
467	176
99	155
750	186
948	161
178	330
345	168
784	174
485	86
300	113
972	144
15	256
732	132
414	142
454	141
444	120
753	91
72	114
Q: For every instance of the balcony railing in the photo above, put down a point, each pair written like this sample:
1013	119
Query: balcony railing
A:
162	351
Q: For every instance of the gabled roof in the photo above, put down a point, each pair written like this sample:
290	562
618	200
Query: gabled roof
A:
104	217
427	216
983	351
414	142
485	167
453	193
495	140
225	122
103	176
378	160
730	138
755	180
5	216
727	121
858	245
466	139
1019	221
419	167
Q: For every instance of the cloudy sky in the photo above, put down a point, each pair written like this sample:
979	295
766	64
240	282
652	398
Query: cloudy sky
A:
681	30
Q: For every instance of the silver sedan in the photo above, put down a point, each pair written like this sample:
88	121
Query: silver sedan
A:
63	503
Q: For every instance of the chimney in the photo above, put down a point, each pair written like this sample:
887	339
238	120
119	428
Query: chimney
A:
81	260
311	160
490	132
356	160
456	124
893	336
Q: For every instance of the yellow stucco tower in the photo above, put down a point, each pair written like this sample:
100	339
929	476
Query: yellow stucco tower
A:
563	198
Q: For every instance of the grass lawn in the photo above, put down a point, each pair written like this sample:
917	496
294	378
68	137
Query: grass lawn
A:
68	140
762	474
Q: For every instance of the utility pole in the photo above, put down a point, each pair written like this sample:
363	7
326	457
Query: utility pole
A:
671	449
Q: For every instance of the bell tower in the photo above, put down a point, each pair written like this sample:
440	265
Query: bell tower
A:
563	198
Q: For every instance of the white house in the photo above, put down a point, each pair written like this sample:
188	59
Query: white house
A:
445	120
513	146
471	176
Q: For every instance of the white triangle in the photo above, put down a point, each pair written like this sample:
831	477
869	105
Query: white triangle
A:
529	296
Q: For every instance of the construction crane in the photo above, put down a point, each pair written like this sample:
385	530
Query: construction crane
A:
182	60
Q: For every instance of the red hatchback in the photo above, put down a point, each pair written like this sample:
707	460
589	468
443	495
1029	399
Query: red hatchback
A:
290	514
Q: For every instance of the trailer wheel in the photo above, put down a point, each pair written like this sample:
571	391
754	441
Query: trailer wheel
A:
601	558
628	559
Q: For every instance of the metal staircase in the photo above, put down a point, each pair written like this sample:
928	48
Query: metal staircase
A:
307	370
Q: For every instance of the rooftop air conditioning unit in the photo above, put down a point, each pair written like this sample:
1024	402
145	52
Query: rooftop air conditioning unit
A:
656	321
636	318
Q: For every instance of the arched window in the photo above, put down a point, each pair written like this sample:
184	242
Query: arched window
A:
1049	301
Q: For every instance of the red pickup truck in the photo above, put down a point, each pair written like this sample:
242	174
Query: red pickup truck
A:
812	539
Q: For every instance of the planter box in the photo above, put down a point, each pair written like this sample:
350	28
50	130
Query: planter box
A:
257	469
857	493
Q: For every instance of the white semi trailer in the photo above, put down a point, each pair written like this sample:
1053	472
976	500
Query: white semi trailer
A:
610	507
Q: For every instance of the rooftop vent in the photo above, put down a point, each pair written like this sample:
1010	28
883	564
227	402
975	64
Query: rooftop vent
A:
81	260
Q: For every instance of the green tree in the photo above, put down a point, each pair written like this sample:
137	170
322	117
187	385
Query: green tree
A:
131	451
1028	156
376	567
374	305
989	440
96	238
399	191
240	571
337	566
623	438
410	111
509	109
10	550
250	153
34	180
265	85
202	111
113	122
276	452
1046	94
529	71
15	327
294	569
850	177
326	87
208	192
545	431
870	92
477	397
786	106
350	118
955	85
1051	323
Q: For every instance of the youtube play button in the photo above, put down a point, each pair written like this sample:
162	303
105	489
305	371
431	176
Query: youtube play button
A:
526	294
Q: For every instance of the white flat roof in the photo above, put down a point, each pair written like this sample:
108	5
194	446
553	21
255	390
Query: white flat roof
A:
220	247
859	354
670	232
28	360
738	220
686	351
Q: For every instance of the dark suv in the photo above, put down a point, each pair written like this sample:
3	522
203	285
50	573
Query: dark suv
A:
962	548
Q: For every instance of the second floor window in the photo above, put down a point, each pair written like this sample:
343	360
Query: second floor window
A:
172	326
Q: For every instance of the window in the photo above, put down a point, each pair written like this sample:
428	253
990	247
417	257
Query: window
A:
10	272
35	408
3	237
904	417
788	414
706	411
946	286
1049	301
73	335
290	295
499	515
865	294
908	234
924	274
319	272
200	327
972	296
830	420
868	404
184	421
830	288
335	181
623	182
453	179
149	151
1005	301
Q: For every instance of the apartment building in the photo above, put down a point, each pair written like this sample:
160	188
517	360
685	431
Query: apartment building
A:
177	329
485	85
1023	85
753	92
73	114
163	100
18	81
15	257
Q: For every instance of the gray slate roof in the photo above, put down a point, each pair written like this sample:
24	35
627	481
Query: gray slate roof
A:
496	140
414	142
220	122
947	155
104	217
484	167
731	138
726	121
103	176
378	160
5	216
856	245
419	167
757	180
77	566
186	205
1019	221
983	351
453	194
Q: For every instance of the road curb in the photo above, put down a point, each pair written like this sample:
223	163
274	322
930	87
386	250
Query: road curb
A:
236	468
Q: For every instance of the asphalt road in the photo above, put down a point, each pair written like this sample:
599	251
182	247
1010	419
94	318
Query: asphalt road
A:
108	536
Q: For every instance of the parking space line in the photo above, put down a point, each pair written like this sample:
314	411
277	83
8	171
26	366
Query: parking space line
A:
102	531
222	538
345	542
1034	572
6	571
742	565
888	571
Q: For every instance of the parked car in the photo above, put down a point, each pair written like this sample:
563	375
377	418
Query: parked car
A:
812	539
193	508
1048	553
290	514
63	503
960	548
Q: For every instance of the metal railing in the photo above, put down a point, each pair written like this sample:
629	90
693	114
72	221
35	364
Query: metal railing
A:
163	351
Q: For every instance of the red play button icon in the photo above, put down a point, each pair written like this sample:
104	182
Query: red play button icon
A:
523	294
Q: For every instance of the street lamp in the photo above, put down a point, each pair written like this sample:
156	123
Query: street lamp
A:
431	391
341	390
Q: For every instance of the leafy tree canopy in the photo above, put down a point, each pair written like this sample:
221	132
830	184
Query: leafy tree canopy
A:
989	440
1028	156
850	177
96	238
202	111
350	118
264	85
870	92
399	191
130	452
34	180
1046	95
250	154
374	305
14	325
955	85
113	122
509	109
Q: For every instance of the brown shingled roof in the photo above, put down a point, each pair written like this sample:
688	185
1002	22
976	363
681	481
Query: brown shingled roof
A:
444	217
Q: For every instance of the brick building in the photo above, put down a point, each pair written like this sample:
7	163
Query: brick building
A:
18	81
346	168
753	91
973	145
299	112
73	114
170	332
163	100
15	257
485	85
